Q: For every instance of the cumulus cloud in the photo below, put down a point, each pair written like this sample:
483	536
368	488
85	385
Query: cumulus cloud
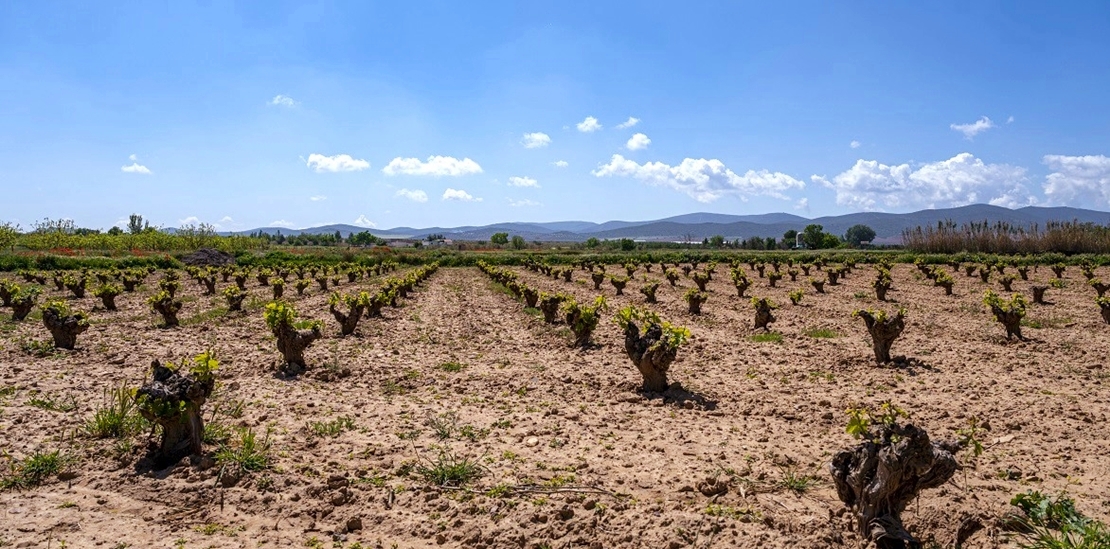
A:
958	181
362	221
974	128
1010	120
136	168
854	144
1078	180
337	163
802	204
133	158
436	166
414	195
589	125
459	195
523	182
632	121
191	220
560	163
637	142
282	223
283	101
536	140
523	203
317	198
702	179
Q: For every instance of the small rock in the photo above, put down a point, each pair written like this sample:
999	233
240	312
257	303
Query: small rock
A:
532	441
354	524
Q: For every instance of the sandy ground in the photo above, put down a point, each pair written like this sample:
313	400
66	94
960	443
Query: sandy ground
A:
595	463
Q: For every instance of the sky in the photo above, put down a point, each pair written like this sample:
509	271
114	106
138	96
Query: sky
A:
425	114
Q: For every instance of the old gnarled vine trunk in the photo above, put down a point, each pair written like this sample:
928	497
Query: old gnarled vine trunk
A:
650	359
879	479
64	329
182	426
883	334
1011	320
292	343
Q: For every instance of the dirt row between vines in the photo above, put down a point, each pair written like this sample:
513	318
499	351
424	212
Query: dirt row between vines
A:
596	463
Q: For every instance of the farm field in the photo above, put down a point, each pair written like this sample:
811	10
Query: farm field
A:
556	445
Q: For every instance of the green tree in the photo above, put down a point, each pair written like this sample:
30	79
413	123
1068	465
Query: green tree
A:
9	233
814	237
859	233
518	242
717	241
627	244
499	239
136	225
592	242
789	238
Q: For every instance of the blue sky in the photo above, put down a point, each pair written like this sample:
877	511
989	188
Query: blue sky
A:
448	113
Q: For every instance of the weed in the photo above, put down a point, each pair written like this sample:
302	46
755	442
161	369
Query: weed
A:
39	348
331	428
33	470
247	453
742	514
119	418
449	469
452	366
767	337
50	404
819	333
796	483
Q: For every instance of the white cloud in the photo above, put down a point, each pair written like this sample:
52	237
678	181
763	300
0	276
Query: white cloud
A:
854	144
459	195
136	168
802	205
1082	181
560	163
436	166
363	222
133	158
589	125
632	121
227	219
317	198
523	203
283	101
974	128
704	180
1010	120
958	181
337	163
191	220
536	140
523	182
414	195
637	142
282	223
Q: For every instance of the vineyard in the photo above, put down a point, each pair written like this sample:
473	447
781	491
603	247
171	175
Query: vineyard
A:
521	400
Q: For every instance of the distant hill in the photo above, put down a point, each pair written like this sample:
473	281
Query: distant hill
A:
697	226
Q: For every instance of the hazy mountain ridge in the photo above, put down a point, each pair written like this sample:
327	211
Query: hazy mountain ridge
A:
697	226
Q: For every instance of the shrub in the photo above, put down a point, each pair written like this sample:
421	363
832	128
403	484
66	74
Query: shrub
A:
818	285
293	336
701	279
75	284
796	296
277	286
619	282
763	307
944	280
740	281
582	319
234	297
170	286
695	299
672	276
653	350
6	291
1007	312
301	285
549	305
64	324
355	304
884	330
649	289
1104	306
23	300
773	277
879	477
1007	281
173	400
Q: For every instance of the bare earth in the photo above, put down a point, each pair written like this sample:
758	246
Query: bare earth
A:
594	462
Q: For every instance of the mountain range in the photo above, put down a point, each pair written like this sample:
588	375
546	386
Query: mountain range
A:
697	226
